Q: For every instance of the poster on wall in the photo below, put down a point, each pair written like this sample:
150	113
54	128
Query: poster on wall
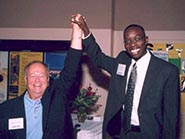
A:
3	75
176	62
183	65
161	54
182	83
176	54
13	74
55	62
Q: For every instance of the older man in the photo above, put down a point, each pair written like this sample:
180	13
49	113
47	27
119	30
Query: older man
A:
42	111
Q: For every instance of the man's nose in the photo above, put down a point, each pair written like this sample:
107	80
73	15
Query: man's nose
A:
37	78
133	43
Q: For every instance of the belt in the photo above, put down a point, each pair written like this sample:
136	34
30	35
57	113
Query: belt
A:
135	128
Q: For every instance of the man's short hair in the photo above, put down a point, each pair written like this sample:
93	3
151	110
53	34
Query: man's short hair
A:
134	26
34	62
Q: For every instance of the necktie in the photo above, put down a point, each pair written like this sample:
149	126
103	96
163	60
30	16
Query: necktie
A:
129	99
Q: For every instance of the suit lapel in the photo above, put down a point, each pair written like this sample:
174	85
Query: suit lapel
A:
46	106
150	76
47	101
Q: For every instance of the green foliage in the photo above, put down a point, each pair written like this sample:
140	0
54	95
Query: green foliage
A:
86	100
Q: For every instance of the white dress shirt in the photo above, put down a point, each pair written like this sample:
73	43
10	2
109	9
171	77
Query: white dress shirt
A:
142	66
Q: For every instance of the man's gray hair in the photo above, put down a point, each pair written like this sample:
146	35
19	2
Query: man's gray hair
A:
34	62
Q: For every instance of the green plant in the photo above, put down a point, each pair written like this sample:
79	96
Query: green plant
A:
86	100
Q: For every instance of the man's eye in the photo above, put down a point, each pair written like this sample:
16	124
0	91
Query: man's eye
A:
32	76
42	76
127	41
138	38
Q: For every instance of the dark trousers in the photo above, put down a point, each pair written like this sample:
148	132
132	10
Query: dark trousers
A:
115	128
132	134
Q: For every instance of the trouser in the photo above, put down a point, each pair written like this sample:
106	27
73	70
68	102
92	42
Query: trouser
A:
133	133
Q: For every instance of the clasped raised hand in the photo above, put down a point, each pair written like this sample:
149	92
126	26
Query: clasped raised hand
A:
80	20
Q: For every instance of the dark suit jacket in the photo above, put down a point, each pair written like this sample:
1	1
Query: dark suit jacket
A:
57	123
160	97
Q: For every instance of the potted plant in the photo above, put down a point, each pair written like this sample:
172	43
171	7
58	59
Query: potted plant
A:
85	102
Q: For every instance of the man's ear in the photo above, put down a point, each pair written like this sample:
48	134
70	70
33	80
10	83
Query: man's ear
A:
25	79
146	39
48	75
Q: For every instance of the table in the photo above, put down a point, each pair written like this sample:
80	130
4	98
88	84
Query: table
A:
90	129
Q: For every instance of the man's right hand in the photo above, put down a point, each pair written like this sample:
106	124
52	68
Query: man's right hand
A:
81	22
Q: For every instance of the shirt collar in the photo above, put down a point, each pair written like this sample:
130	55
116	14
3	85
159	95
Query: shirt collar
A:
143	60
31	101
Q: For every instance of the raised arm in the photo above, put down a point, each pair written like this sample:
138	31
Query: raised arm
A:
72	62
91	47
81	22
76	36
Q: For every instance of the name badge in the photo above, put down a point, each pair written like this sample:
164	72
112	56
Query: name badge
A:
15	123
121	69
